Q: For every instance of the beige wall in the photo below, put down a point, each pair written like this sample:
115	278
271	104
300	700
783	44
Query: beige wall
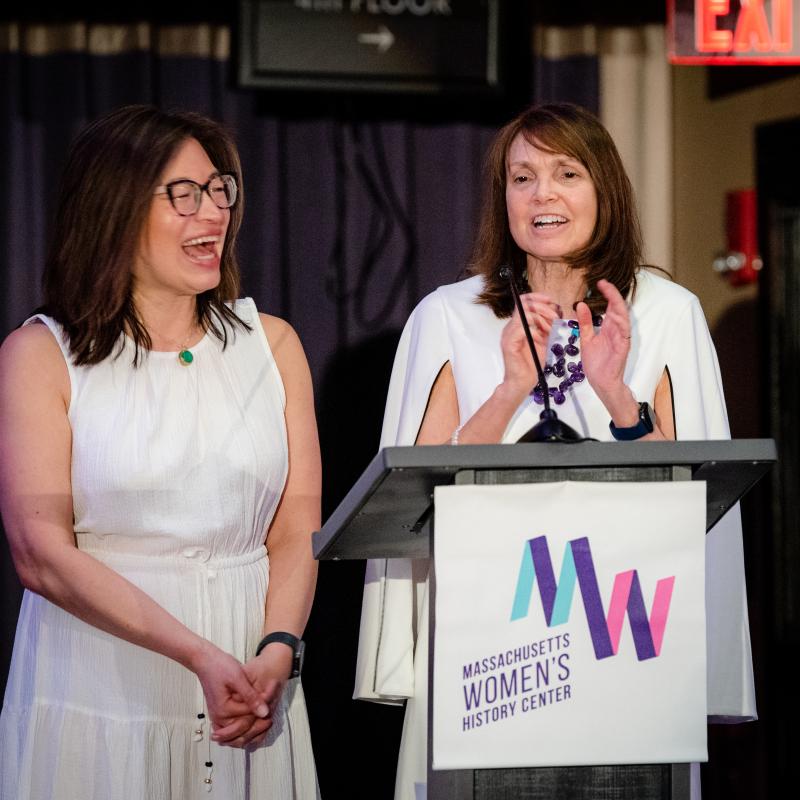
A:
714	152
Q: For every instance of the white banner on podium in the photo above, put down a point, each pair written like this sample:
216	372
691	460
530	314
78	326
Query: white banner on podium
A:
570	624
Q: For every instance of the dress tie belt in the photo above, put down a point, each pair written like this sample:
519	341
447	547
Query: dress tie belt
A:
207	569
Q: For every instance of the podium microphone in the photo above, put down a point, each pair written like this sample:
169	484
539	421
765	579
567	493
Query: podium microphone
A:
549	428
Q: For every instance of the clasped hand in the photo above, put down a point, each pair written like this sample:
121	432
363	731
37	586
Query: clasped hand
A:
241	698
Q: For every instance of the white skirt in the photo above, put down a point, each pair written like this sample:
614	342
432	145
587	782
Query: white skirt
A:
89	716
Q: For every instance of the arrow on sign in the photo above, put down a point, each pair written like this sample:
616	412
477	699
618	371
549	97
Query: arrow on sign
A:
384	38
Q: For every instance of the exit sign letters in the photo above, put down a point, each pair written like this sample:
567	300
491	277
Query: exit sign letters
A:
734	31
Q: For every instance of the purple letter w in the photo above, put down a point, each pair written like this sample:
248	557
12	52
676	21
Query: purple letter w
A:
648	634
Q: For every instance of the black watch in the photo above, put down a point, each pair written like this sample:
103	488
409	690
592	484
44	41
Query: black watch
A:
641	428
298	649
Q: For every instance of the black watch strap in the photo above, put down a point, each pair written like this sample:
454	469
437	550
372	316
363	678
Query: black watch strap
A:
298	648
641	428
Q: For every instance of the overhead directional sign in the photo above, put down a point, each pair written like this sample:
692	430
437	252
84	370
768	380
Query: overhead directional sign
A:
383	38
429	46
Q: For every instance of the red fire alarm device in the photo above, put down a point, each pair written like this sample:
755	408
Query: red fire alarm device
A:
741	262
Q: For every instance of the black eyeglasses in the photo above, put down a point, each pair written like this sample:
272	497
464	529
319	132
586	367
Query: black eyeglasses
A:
186	195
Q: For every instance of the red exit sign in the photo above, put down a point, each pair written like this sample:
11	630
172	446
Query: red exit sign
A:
734	31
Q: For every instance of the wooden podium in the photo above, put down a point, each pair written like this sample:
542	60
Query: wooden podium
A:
389	514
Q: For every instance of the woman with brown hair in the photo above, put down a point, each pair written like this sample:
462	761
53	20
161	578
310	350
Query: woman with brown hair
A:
159	481
627	356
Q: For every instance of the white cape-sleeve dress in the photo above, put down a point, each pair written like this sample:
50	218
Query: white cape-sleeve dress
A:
669	331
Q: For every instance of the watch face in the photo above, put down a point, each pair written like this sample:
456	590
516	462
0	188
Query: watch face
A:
297	662
644	416
641	428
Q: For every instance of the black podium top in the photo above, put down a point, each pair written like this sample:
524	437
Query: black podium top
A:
386	512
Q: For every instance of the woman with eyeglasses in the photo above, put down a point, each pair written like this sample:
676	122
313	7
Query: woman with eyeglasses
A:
159	481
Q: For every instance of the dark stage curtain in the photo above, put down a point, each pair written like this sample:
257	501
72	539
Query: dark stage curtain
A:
351	217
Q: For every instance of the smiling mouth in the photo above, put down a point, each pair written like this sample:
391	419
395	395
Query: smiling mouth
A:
545	221
202	248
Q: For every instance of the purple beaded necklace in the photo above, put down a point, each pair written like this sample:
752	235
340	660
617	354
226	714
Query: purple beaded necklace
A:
566	372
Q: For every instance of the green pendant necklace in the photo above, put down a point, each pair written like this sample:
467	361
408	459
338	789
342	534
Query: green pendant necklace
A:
185	357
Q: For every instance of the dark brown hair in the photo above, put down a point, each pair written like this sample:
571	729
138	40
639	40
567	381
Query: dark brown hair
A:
106	189
614	251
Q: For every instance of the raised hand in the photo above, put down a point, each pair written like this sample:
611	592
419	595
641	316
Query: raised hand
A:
541	312
605	352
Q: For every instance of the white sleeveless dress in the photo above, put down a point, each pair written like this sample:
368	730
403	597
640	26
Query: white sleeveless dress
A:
176	475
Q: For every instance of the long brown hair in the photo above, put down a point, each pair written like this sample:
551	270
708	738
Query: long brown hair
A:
614	251
106	189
